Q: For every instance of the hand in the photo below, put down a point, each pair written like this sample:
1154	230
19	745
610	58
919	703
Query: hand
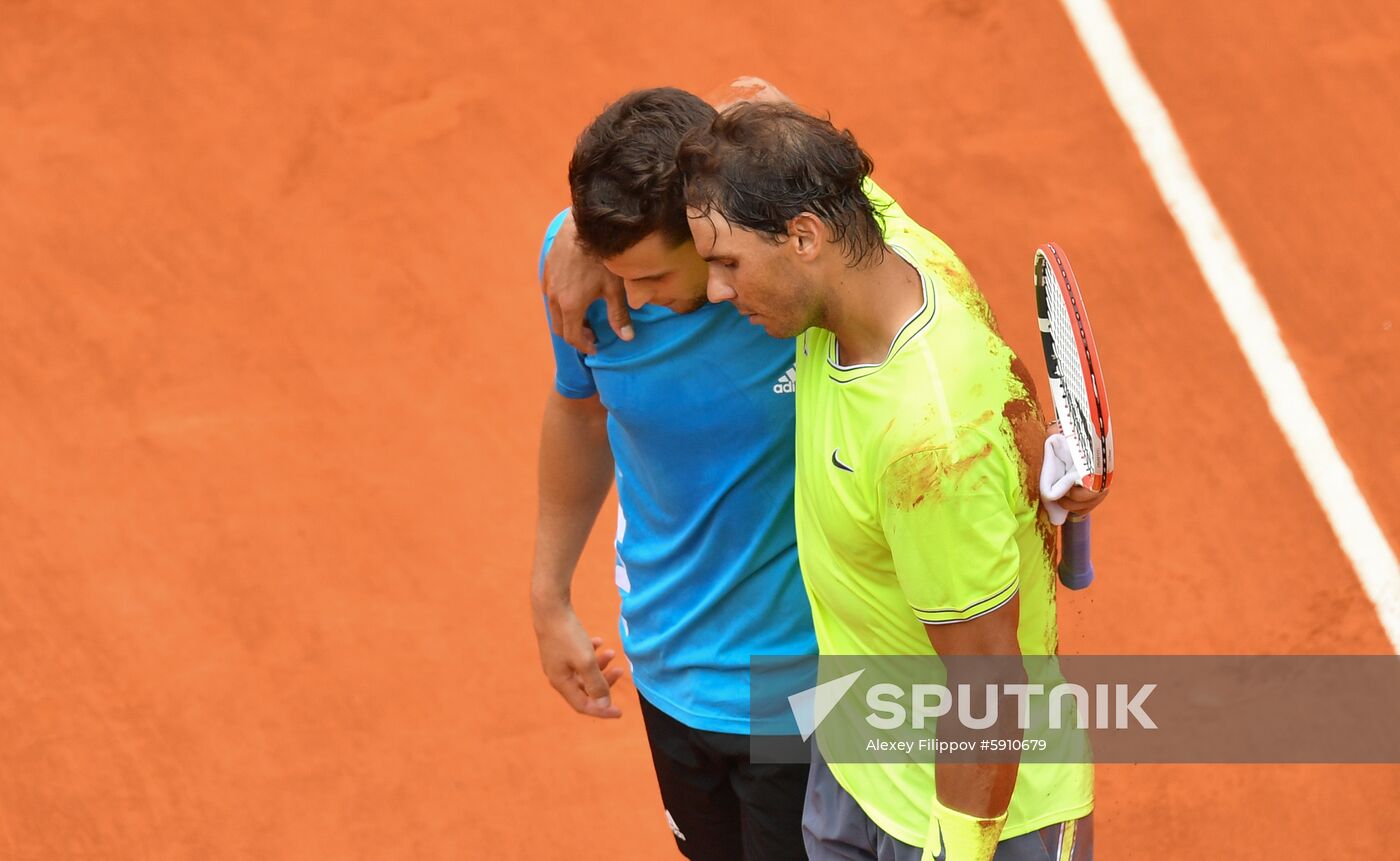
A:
1078	501
745	89
572	282
576	665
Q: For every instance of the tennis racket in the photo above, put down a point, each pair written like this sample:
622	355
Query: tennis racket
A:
1080	398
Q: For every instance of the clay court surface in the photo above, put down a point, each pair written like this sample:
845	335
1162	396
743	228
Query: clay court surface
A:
272	361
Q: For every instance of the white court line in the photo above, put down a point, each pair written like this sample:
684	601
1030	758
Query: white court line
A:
1245	310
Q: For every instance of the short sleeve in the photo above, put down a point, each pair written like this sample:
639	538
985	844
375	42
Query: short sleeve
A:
572	376
948	516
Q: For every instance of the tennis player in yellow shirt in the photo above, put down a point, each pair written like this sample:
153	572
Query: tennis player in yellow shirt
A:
918	523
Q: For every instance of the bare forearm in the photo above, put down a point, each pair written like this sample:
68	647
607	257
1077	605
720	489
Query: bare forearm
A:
976	654
576	469
981	789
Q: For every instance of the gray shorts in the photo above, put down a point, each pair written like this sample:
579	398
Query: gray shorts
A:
834	828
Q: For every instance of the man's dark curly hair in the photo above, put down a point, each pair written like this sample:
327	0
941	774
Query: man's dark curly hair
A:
623	174
760	165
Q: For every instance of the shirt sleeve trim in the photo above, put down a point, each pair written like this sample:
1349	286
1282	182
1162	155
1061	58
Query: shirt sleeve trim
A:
977	608
574	392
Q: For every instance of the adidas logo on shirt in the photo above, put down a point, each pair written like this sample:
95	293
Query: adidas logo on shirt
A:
787	383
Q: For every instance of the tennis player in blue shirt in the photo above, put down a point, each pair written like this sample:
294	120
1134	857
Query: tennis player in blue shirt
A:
694	420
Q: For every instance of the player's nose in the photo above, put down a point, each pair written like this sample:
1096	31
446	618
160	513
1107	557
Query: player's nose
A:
716	290
636	296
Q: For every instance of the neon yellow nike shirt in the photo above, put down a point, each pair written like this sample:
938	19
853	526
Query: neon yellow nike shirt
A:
916	503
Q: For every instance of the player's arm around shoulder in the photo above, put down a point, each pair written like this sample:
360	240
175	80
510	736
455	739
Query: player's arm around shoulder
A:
572	281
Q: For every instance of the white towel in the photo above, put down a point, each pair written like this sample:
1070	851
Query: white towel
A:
1057	475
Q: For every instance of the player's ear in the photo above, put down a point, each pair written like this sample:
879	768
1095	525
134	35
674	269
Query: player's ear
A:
808	234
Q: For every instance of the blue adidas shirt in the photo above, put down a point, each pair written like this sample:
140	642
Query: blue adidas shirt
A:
701	421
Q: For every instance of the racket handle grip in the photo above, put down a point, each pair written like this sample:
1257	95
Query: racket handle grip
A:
1076	568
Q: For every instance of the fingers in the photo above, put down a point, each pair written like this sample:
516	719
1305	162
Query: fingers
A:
1081	500
599	693
572	692
605	657
727	95
583	697
619	317
579	335
763	91
587	687
746	88
556	316
569	323
551	298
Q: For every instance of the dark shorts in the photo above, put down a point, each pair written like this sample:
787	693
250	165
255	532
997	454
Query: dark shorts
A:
836	829
721	806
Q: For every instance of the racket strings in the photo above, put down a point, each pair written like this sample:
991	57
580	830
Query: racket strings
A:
1064	336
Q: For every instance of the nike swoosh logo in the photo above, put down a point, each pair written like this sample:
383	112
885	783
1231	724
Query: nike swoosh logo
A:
942	847
836	461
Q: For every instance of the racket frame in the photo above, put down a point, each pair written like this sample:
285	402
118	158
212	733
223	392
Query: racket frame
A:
1050	258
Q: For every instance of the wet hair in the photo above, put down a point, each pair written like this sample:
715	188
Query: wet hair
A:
760	165
623	177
